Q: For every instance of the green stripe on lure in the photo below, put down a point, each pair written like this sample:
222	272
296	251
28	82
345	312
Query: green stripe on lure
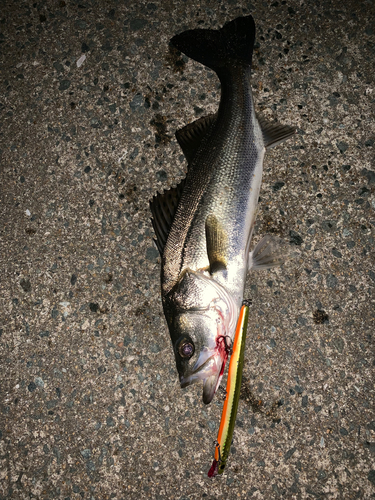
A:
228	416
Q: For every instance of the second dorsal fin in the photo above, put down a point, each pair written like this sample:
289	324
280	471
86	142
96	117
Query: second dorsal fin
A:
190	136
163	208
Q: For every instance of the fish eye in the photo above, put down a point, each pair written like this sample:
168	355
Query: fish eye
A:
186	349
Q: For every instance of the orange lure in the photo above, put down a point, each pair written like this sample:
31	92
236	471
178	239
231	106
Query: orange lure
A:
228	416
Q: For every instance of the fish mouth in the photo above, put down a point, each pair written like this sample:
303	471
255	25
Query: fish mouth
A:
209	368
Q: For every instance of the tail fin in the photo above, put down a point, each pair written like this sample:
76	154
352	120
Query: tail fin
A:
234	42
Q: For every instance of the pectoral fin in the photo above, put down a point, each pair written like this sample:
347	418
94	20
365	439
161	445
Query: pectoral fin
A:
269	252
217	244
274	133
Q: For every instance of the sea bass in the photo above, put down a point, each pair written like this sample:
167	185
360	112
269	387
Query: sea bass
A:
204	225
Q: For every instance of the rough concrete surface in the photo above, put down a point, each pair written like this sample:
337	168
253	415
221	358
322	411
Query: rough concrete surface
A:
90	403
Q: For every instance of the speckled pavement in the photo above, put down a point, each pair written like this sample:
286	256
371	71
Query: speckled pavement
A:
91	408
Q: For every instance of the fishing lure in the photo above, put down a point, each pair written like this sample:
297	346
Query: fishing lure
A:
229	413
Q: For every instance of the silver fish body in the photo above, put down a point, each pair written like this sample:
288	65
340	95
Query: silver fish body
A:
204	234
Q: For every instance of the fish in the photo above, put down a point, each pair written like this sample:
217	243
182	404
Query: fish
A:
204	225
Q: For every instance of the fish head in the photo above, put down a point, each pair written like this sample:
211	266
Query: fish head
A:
202	318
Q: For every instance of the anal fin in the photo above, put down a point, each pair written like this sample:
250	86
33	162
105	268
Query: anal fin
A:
274	133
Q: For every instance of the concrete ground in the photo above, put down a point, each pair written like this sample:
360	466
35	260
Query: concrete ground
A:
90	403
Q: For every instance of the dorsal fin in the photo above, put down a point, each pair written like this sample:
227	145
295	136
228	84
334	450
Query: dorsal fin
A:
274	133
190	136
163	208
